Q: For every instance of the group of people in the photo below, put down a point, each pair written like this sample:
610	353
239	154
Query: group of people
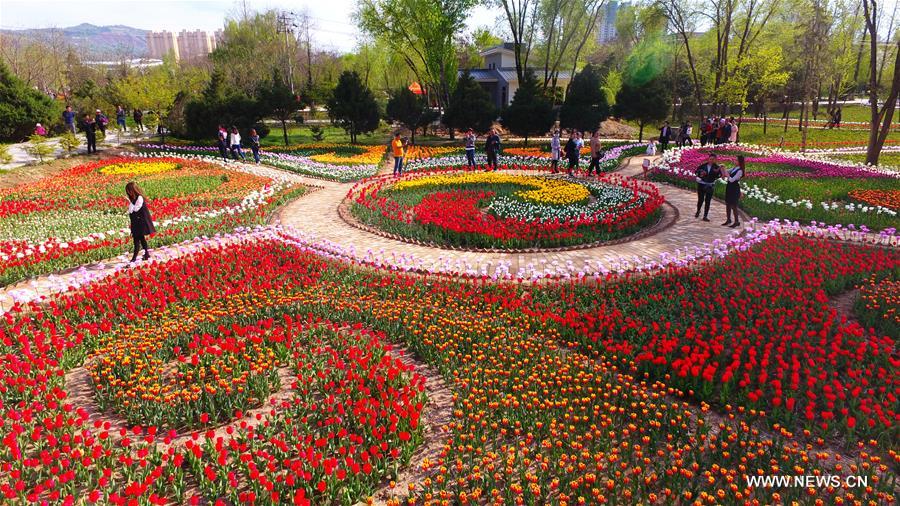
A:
91	124
707	174
719	130
491	148
229	141
571	151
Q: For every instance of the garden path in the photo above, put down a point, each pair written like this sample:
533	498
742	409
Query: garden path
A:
317	216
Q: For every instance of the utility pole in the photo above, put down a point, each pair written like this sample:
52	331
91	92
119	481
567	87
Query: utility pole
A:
286	25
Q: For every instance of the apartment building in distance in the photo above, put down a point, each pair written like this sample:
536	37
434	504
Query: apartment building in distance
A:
186	45
160	44
606	32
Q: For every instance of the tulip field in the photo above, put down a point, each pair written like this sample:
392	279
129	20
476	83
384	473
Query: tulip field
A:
78	216
251	362
505	211
782	185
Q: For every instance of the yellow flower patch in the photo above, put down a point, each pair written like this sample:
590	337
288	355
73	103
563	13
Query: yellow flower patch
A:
546	190
138	168
371	156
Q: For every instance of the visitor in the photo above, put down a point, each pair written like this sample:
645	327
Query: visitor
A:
222	142
254	144
579	141
732	131
664	134
722	132
141	222
470	148
572	152
236	144
686	130
101	120
651	148
69	118
733	192
397	151
705	128
138	117
40	130
554	151
90	131
595	153
645	165
837	118
120	118
492	148
707	174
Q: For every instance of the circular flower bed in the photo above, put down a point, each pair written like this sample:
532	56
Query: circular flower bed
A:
505	210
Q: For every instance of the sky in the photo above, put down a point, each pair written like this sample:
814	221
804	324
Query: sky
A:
332	19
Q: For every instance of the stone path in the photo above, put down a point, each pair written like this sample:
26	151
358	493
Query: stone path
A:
113	139
317	216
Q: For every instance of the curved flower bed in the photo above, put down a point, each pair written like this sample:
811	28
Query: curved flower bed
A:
333	162
878	305
566	393
505	211
794	187
78	215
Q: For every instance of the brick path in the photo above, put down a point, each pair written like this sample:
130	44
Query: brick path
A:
317	216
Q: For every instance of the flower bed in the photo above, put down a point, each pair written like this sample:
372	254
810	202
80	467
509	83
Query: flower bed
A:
542	411
78	215
610	158
505	211
334	162
878	305
793	187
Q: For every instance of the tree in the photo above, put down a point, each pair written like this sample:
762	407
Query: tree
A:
38	147
470	106
216	106
585	105
155	90
521	15
406	108
645	102
69	142
352	106
21	107
531	112
276	100
423	32
880	124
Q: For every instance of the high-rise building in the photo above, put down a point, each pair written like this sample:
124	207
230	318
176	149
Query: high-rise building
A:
195	44
160	44
606	32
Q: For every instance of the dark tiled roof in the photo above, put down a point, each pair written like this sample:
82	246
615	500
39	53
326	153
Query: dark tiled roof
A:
483	74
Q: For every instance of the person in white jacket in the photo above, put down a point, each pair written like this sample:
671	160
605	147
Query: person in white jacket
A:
236	144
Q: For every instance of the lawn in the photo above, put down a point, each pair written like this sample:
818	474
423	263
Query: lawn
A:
301	134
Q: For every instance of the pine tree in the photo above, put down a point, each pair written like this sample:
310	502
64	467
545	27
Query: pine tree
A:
352	106
644	103
531	112
470	106
21	107
585	105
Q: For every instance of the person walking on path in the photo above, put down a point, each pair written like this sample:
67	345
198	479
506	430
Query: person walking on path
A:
69	118
254	144
90	132
120	118
572	153
101	120
492	148
664	134
236	144
222	142
707	174
397	150
555	148
138	116
470	148
733	192
595	153
686	130
141	222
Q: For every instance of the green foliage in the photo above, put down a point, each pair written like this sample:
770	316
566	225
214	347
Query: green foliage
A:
644	103
531	112
216	107
352	106
585	105
5	156
317	132
408	109
21	107
39	148
276	99
251	48
69	142
612	83
470	106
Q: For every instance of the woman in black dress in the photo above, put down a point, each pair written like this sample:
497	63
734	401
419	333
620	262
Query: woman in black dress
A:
141	222
733	192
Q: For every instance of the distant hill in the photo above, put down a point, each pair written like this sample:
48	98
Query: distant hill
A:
95	41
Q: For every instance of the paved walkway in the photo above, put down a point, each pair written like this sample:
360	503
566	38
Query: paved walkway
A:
317	216
113	139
